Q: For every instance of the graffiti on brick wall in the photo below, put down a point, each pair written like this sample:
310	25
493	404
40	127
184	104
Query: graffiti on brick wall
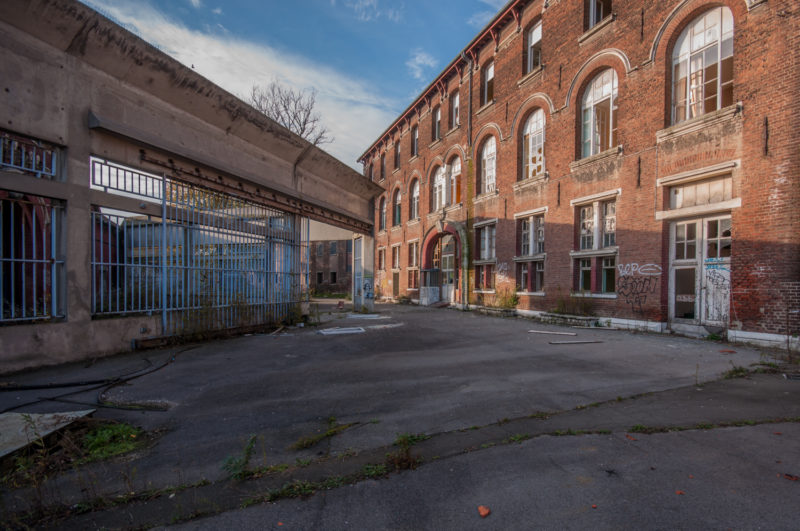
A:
502	272
636	282
368	294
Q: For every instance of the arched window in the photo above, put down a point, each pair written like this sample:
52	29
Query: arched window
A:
454	182
413	212
439	189
396	214
702	66
382	218
488	166
599	109
533	146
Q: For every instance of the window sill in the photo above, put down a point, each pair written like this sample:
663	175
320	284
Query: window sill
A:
395	170
452	208
699	174
538	257
434	143
535	73
485	261
452	130
589	295
412	222
484	108
412	289
597	28
699	122
413	158
531	293
663	215
587	161
606	251
396	228
486	291
531	181
381	232
601	196
485	196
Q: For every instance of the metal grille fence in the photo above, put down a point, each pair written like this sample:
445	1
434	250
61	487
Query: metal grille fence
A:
31	263
210	261
27	155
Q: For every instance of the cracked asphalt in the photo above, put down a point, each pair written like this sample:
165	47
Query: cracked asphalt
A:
476	385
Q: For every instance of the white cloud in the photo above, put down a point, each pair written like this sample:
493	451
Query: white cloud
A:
197	4
480	19
496	4
217	10
367	10
418	62
349	107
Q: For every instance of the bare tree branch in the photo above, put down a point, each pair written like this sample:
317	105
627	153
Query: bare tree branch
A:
292	109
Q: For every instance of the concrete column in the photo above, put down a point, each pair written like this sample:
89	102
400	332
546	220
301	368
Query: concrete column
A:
363	273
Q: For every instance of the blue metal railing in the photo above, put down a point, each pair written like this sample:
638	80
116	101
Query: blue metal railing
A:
27	155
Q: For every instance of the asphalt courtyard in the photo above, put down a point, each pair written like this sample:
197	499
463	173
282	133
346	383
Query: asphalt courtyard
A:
420	416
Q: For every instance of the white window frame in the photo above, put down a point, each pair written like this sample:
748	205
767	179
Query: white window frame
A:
485	237
694	54
600	92
455	116
439	189
489	165
415	141
453	180
396	256
397	210
534	47
488	84
596	12
414	211
533	145
437	124
382	219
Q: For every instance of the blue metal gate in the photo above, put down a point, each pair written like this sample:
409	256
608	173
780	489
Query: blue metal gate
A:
209	261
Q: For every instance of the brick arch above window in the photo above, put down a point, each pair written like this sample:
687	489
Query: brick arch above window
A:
609	58
540	100
490	129
681	15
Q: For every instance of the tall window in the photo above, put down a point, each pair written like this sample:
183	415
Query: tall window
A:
396	211
587	227
333	248
487	86
597	10
702	66
413	265
382	218
534	48
599	108
488	166
439	189
414	141
531	233
455	116
397	154
533	146
485	237
413	212
454	184
371	172
382	258
609	223
396	256
383	166
436	124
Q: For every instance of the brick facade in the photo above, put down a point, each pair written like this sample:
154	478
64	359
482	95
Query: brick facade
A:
649	182
330	266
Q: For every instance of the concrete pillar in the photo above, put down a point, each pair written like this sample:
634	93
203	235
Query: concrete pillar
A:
363	273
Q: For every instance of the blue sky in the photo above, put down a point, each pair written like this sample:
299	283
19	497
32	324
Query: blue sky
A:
367	59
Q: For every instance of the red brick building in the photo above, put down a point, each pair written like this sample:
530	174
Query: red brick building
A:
635	160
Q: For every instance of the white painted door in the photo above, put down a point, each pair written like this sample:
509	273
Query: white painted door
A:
700	270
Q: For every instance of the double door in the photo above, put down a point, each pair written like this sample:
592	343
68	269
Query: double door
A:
700	271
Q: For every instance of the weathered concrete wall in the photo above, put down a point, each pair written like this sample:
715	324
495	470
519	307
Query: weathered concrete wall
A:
74	79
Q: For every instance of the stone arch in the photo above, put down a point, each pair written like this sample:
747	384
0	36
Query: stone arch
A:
593	64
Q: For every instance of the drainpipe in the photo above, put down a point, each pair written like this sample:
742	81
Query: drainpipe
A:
465	255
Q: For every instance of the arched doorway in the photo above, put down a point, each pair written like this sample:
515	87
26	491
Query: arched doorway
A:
440	274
